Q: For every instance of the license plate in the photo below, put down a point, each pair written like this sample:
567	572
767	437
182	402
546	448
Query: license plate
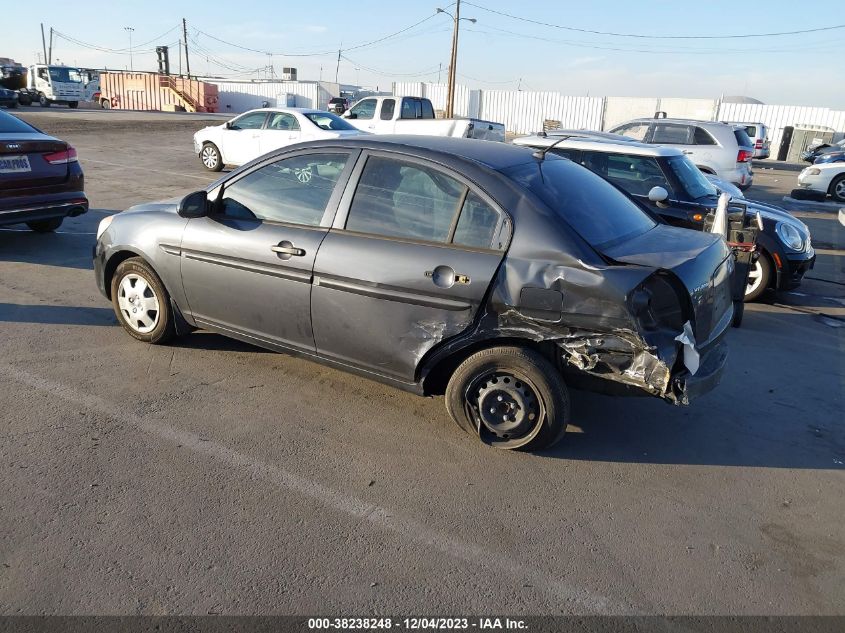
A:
14	164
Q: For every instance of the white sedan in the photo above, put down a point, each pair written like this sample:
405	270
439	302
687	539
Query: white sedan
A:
253	133
824	178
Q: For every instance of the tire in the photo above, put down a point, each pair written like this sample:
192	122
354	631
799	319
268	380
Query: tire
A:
759	277
210	157
45	226
837	188
105	104
24	100
73	104
13	105
141	302
514	380
43	100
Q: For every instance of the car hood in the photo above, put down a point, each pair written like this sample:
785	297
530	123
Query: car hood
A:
171	205
776	214
700	260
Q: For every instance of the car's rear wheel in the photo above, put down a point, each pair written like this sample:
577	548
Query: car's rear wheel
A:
141	302
45	226
73	104
758	278
210	157
512	397
837	188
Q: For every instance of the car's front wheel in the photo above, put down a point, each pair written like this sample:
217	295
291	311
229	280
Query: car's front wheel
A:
43	100
758	278
141	302
837	188
73	104
45	226
210	157
512	397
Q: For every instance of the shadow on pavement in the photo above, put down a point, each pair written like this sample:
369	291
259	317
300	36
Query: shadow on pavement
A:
56	315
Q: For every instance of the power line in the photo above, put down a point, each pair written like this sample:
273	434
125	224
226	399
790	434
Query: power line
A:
655	37
427	71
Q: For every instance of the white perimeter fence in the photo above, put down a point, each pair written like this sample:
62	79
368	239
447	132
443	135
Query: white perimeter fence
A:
524	112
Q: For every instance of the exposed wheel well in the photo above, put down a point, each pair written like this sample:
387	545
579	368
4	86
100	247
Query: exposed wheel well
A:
111	266
438	377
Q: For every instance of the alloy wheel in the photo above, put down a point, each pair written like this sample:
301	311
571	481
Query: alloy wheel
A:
209	157
755	277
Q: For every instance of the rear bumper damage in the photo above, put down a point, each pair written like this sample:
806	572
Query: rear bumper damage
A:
674	369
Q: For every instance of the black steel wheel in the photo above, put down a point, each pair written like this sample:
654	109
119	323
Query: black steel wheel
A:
511	397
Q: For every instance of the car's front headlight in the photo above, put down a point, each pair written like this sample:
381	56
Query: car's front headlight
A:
812	171
104	224
790	235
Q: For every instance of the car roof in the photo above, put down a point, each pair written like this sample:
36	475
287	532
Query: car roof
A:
492	154
284	109
599	144
698	122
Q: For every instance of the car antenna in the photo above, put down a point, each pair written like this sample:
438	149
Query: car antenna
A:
540	154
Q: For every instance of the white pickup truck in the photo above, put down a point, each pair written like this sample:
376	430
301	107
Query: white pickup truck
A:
415	115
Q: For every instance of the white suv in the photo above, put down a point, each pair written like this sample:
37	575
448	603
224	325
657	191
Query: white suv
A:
759	135
720	149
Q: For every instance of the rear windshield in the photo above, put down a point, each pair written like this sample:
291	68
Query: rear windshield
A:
328	121
751	130
742	138
598	211
13	125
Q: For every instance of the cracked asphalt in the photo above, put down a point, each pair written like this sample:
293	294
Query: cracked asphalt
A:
211	477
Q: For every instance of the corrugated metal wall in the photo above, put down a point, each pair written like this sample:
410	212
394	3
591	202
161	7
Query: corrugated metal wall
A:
240	96
524	112
466	100
776	117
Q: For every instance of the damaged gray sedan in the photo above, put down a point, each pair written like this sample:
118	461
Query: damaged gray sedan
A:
461	267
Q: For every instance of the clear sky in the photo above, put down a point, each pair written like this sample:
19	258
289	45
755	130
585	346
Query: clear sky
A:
497	52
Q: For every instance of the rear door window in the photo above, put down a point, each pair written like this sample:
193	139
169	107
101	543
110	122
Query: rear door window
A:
388	106
427	109
671	134
477	224
411	108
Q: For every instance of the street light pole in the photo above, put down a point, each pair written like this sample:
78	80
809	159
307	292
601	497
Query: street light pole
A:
450	89
129	30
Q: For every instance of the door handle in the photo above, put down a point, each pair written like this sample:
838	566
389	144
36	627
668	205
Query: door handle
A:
286	250
446	277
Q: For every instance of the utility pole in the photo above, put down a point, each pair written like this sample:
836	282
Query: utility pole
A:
337	69
185	38
450	90
180	56
50	49
129	30
44	43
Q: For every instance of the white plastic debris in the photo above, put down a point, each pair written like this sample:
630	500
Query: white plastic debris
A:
720	223
691	357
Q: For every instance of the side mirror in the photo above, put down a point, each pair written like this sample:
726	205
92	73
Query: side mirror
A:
194	205
228	125
349	115
658	194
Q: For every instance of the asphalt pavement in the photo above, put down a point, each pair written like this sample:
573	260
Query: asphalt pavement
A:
212	477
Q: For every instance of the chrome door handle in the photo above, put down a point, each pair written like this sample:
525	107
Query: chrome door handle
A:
286	250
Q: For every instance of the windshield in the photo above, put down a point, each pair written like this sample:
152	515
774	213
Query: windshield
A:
63	74
598	211
328	121
694	182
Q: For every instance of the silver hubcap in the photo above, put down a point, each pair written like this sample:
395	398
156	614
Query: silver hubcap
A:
138	303
755	277
839	190
209	157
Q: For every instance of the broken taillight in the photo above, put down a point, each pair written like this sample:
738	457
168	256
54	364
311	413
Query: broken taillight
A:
63	157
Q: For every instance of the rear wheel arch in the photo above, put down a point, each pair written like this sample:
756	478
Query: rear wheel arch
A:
436	373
